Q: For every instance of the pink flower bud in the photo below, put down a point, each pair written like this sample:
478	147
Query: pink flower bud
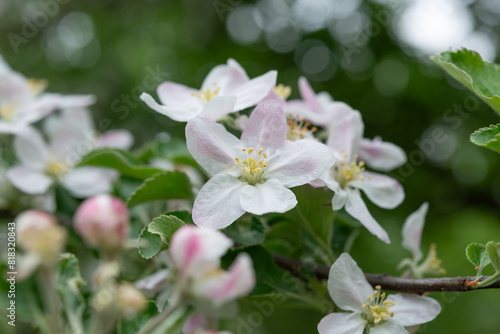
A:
103	222
39	233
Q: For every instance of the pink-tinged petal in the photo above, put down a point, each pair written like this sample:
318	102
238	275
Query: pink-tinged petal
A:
308	94
218	107
272	96
267	197
347	284
195	250
195	323
357	208
177	113
381	155
382	190
266	127
412	309
334	111
31	149
83	182
154	283
122	139
388	327
342	323
253	91
226	77
299	162
218	202
412	231
211	145
345	135
28	180
237	282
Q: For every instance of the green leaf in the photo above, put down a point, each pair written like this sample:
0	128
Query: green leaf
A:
120	160
69	282
247	233
487	137
493	250
477	255
156	236
479	76
132	326
173	150
166	185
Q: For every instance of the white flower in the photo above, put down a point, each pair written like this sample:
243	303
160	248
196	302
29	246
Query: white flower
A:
227	88
369	308
252	174
348	176
23	102
412	237
71	136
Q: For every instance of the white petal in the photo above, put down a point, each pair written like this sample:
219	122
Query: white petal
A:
172	94
83	182
382	190
226	77
270	196
346	134
412	231
253	91
299	162
340	196
195	250
211	145
121	139
342	323
381	155
347	284
177	113
266	127
28	180
357	208
388	327
412	309
218	202
11	128
31	149
238	281
75	101
218	107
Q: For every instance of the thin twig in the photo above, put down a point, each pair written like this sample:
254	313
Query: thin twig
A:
386	281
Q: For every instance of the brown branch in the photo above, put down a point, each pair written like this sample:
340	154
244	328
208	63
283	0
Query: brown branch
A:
386	281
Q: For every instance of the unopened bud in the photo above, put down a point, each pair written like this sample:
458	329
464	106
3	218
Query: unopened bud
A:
129	299
103	222
38	232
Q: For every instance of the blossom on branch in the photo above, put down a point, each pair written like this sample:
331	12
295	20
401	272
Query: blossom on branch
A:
368	308
251	174
227	88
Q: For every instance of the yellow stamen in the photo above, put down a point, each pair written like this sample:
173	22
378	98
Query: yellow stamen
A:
205	95
37	86
376	310
255	164
57	168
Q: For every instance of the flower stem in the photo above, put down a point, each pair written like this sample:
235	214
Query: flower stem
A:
52	303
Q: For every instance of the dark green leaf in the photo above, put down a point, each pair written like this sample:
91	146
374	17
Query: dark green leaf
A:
247	233
477	255
156	236
487	137
481	77
493	251
120	160
166	185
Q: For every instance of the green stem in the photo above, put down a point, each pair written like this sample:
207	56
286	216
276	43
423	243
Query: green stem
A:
52	303
489	281
152	324
321	242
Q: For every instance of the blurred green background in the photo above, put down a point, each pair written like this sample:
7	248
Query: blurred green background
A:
372	55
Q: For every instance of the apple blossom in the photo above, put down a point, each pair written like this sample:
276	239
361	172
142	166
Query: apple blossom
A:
103	222
41	237
251	174
195	252
348	177
42	164
197	324
226	89
370	308
412	236
23	102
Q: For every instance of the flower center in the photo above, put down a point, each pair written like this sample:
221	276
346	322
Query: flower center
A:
376	309
299	129
253	165
37	86
345	172
56	168
282	91
7	112
207	94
